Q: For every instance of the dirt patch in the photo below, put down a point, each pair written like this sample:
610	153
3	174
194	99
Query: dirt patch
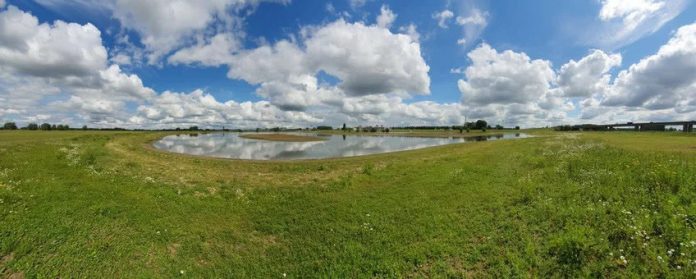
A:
173	248
8	273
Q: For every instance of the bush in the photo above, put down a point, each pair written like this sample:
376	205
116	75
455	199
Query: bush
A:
10	126
481	124
33	126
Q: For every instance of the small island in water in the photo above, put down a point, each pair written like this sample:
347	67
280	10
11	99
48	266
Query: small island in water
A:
282	137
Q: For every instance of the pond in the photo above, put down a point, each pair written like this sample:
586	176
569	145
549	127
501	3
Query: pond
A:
231	145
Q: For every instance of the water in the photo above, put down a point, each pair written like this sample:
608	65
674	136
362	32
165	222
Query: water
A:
230	145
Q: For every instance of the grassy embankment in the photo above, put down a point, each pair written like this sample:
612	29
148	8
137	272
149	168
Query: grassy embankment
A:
281	137
101	204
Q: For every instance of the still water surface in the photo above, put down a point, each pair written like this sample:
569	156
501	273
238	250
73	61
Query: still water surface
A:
230	145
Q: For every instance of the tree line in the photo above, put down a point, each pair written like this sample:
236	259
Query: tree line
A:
35	126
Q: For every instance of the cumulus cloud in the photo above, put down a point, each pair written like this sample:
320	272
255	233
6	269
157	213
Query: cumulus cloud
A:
65	61
666	79
386	17
164	26
504	77
218	50
367	60
58	50
443	18
509	87
589	75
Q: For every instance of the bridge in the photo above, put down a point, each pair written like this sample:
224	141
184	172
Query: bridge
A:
687	126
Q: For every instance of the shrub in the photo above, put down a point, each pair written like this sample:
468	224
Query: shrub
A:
481	124
10	126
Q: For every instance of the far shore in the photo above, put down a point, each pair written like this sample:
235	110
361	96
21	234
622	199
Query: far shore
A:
282	137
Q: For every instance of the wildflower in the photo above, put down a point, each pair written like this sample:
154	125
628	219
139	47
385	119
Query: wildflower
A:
182	272
285	275
659	258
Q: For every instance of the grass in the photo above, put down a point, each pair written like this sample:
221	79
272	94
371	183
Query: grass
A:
105	204
282	137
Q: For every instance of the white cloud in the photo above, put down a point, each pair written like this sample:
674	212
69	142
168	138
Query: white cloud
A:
357	3
386	17
664	80
625	21
631	12
367	60
411	31
2	3
217	51
504	78
57	50
476	18
443	18
511	88
472	25
64	61
589	75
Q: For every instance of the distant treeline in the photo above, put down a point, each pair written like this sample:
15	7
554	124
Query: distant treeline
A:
477	125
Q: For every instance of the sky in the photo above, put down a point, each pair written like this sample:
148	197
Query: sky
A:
294	63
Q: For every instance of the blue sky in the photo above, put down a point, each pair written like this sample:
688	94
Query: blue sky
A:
540	38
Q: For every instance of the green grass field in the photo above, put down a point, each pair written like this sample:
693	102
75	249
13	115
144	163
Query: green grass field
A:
106	204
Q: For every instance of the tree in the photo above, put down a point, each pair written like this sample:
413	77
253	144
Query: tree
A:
46	127
84	127
10	126
193	128
498	127
33	126
344	127
517	127
481	124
